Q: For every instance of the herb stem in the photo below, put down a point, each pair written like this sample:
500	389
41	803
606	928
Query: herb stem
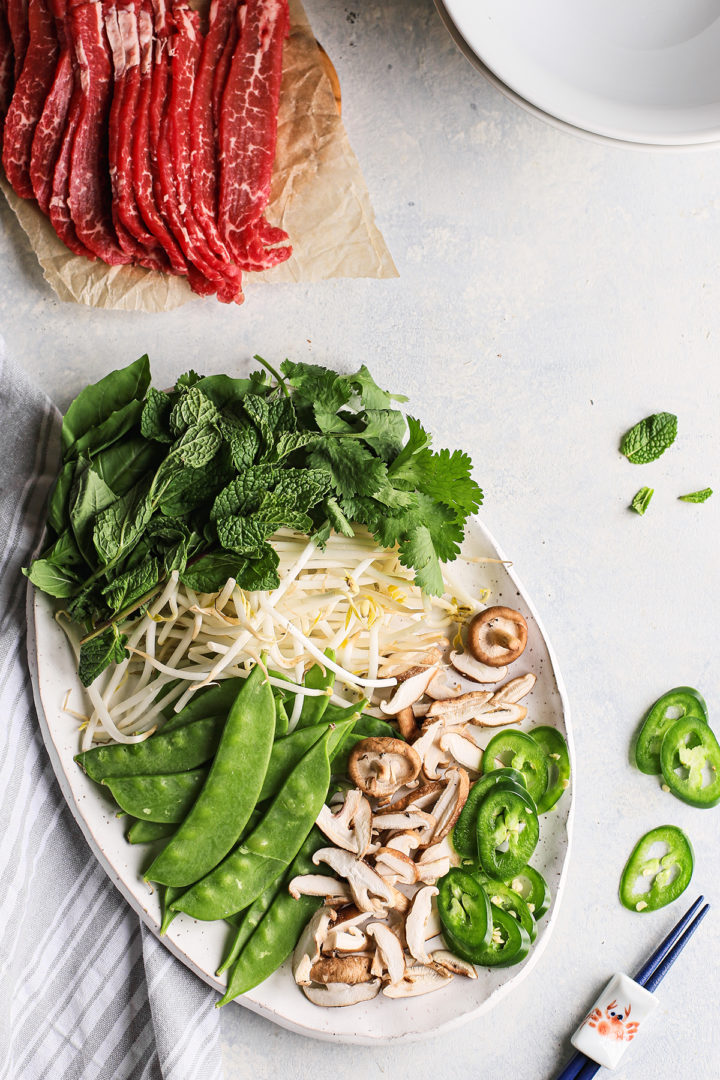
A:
276	374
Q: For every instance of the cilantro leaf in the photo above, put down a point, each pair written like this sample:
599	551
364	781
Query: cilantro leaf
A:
370	393
318	385
649	438
641	500
417	552
697	496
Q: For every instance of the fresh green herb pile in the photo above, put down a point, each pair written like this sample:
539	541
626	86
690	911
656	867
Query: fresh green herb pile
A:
645	442
199	478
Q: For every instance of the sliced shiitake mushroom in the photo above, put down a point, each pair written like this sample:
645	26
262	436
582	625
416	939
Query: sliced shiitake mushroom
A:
497	636
349	969
334	995
380	765
474	669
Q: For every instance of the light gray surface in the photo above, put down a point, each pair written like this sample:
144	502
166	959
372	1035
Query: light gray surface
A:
551	293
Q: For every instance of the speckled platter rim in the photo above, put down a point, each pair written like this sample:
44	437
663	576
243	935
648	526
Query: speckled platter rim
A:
199	945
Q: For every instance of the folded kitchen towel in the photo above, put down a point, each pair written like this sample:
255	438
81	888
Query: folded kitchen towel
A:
86	991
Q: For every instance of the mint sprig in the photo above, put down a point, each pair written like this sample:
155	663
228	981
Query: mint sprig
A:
641	500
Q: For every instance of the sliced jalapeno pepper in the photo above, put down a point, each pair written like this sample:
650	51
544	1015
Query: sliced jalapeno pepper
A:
503	896
690	761
676	704
464	833
505	817
558	759
509	941
532	886
464	911
519	751
667	873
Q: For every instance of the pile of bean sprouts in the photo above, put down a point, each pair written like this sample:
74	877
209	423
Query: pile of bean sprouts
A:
352	596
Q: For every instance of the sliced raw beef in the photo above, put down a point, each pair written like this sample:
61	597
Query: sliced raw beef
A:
247	135
203	135
89	184
7	63
29	97
59	210
139	156
224	61
135	241
17	17
173	159
50	130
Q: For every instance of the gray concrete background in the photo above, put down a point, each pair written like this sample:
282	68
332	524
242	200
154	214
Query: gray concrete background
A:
551	293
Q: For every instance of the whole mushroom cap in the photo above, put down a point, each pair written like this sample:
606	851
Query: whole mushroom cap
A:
380	765
497	636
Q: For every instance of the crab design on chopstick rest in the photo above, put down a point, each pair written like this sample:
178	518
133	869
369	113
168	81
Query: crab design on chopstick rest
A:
612	1022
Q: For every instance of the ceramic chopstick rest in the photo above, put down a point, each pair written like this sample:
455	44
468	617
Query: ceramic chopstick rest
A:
614	1020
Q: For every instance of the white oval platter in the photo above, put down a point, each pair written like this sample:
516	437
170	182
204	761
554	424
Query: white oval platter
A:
200	945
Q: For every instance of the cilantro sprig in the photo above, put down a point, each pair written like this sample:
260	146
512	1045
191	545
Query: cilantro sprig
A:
199	478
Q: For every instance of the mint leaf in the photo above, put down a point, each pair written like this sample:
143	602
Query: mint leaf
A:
649	438
155	419
97	654
697	496
193	409
125	589
198	445
641	500
243	495
118	527
90	495
243	440
210	572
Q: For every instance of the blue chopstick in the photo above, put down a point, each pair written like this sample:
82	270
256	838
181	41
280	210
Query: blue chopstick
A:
653	971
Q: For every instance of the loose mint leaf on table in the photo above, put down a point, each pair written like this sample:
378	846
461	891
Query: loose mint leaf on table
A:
96	403
641	500
649	438
697	496
99	652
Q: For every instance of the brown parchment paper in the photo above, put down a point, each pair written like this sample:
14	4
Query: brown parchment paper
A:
318	196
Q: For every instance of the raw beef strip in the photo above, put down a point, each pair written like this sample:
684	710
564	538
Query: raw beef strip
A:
29	97
223	65
7	65
247	134
89	184
203	136
139	156
121	29
152	94
50	130
17	17
173	158
59	211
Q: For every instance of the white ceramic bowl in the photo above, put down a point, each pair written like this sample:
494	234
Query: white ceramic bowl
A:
645	72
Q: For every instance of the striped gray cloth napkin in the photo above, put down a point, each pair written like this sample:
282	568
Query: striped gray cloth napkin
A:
86	991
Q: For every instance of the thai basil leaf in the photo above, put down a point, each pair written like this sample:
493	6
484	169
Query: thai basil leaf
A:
53	578
58	509
121	466
210	572
97	402
119	423
89	497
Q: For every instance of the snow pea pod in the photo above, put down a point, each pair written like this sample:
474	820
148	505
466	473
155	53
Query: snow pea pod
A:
335	714
317	678
230	792
214	701
277	934
282	720
145	832
248	921
157	798
167	895
270	848
288	751
171	752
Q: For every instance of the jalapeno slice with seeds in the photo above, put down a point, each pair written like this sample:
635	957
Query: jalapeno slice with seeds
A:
507	833
464	911
518	751
690	761
653	878
464	833
558	760
534	889
509	941
501	895
676	704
